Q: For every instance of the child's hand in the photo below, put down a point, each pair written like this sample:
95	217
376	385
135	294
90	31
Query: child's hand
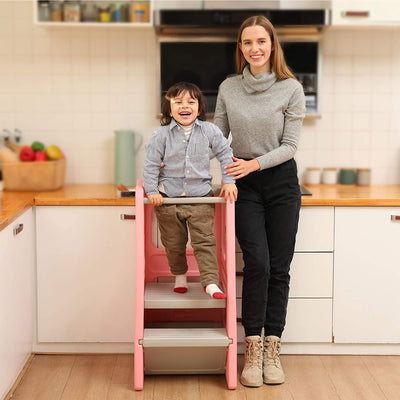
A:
229	191
156	199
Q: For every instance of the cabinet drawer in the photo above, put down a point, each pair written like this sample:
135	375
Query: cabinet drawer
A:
311	275
308	321
316	229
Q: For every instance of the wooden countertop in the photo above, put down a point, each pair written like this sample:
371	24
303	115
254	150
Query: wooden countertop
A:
13	204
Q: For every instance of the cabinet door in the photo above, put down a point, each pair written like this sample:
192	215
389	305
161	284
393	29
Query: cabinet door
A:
367	275
366	12
85	274
17	257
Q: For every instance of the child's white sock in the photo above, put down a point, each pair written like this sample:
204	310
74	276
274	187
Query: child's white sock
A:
214	291
181	285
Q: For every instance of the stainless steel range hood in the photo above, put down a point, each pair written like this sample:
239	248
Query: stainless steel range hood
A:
225	22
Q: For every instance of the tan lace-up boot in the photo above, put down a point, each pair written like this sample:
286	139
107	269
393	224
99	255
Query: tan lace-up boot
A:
273	372
252	370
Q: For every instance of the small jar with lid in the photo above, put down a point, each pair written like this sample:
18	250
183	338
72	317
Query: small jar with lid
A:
363	176
347	176
329	176
56	11
72	11
313	176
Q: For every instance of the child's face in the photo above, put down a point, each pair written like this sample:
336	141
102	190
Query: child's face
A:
184	108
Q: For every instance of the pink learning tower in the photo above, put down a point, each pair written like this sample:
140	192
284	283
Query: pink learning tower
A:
151	262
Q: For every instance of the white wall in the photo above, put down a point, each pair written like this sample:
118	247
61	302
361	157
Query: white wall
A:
74	86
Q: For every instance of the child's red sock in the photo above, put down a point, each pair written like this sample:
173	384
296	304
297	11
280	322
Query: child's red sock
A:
180	284
214	291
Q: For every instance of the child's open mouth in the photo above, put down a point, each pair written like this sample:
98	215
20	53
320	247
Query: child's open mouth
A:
184	114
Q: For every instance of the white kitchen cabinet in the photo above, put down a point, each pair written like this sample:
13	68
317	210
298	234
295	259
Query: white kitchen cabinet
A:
365	12
85	274
309	316
367	275
17	255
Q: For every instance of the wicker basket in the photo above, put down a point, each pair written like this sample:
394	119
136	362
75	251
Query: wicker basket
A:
33	176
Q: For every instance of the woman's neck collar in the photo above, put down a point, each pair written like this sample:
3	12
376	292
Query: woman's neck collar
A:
258	71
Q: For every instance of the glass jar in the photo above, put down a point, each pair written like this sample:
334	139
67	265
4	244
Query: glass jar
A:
104	14
116	12
72	11
89	12
56	11
44	11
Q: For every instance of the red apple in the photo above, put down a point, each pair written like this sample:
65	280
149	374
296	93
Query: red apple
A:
40	155
26	154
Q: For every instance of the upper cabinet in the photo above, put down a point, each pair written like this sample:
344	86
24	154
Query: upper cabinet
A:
90	13
365	13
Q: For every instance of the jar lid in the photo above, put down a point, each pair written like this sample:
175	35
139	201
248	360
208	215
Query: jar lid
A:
313	168
330	169
363	169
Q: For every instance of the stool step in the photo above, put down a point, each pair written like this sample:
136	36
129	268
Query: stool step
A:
185	337
162	295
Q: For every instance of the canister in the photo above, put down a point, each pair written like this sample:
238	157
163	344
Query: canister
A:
313	175
329	176
363	176
140	11
347	176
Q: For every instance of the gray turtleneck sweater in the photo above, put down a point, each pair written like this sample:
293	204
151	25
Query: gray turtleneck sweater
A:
264	115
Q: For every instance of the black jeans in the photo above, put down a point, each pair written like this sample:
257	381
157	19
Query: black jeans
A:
267	215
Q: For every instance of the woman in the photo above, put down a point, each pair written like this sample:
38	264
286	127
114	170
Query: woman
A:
263	108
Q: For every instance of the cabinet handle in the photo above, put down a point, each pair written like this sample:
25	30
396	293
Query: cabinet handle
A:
18	229
395	217
355	14
127	216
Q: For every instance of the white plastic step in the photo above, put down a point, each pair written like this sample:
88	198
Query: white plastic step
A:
185	337
162	295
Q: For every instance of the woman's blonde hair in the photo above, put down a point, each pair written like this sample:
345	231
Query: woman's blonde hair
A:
277	58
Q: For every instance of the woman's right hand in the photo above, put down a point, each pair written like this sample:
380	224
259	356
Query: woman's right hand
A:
156	199
240	168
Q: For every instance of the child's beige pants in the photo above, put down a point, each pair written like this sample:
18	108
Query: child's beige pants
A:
174	221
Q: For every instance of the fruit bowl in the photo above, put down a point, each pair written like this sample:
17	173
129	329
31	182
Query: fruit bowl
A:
33	176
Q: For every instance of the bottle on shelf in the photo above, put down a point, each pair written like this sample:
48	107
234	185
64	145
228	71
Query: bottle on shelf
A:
116	12
89	12
104	14
56	11
44	11
72	11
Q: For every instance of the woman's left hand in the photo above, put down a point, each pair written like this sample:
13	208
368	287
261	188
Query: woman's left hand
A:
240	168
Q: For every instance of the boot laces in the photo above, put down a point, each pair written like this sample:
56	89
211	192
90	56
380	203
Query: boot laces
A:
254	353
272	351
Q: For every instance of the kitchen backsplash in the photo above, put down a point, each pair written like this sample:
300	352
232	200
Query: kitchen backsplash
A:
75	86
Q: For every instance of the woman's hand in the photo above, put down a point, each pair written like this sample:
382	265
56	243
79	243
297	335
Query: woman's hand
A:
240	168
229	191
156	199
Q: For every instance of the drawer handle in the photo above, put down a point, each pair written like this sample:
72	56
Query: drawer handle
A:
355	14
18	229
395	217
127	216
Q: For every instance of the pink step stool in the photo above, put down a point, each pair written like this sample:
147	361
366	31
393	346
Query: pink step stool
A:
183	333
